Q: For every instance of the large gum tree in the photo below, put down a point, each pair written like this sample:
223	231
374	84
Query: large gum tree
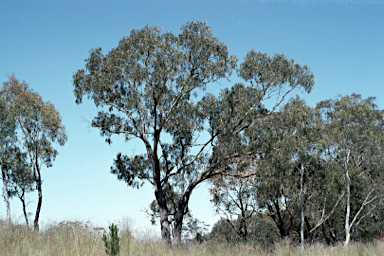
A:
151	87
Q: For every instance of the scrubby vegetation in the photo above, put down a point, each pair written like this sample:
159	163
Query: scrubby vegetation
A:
76	238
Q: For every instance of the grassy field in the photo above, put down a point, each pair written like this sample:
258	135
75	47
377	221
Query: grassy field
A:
75	238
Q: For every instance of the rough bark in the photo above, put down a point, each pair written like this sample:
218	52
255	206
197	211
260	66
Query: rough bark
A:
163	208
178	226
164	220
165	227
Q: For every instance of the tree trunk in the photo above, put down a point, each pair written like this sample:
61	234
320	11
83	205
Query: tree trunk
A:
243	227
278	219
6	197
302	206
39	203
178	228
181	209
163	208
347	215
164	224
24	208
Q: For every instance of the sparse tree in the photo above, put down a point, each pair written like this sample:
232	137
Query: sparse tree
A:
234	196
40	126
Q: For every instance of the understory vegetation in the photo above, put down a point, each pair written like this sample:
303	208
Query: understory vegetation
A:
77	238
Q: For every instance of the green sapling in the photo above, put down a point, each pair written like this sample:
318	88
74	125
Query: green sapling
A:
112	242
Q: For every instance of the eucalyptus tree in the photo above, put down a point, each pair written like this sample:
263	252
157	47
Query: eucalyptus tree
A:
300	143
40	126
290	170
354	140
7	138
275	178
150	87
234	196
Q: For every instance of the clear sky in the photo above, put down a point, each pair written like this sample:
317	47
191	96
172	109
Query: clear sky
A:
45	42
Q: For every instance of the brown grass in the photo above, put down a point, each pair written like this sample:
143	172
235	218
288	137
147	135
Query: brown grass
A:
76	238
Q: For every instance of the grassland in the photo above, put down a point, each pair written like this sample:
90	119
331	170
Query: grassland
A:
75	238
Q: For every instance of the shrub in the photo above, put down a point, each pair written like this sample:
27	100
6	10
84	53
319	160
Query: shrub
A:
112	242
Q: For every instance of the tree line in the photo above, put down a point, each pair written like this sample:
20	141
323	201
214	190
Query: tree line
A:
319	178
309	173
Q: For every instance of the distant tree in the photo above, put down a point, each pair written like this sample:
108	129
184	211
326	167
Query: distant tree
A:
40	126
262	231
7	139
234	196
289	172
354	141
222	231
146	88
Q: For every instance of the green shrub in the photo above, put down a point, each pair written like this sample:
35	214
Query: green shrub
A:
112	242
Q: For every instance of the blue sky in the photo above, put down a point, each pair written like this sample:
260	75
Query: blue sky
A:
45	42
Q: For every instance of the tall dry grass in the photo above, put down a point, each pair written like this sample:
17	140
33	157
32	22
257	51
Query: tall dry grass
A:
75	238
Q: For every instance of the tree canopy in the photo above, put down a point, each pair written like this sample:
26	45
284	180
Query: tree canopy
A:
151	87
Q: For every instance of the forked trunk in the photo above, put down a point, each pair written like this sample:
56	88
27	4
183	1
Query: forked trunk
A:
6	197
24	209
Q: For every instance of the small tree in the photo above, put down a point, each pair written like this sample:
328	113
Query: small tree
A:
234	196
40	126
112	241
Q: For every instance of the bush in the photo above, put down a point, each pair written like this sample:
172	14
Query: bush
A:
112	242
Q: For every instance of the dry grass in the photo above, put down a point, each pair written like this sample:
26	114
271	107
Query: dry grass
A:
75	238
